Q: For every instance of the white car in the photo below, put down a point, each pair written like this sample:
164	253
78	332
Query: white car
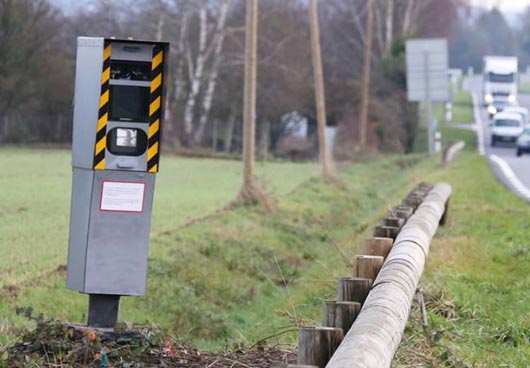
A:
506	127
523	111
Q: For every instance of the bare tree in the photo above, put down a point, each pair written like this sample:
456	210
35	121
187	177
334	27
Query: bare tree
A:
29	49
389	24
214	70
196	69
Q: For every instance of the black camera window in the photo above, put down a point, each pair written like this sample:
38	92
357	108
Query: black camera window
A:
129	103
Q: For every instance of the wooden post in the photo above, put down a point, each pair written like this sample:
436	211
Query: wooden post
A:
367	62
393	221
403	212
378	246
318	75
351	289
367	267
413	203
340	314
425	186
415	196
386	232
316	345
416	193
249	111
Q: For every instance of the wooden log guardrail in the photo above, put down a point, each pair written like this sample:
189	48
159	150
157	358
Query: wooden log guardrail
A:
376	333
316	345
450	152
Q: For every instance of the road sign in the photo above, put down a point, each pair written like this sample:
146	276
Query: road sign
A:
427	69
427	76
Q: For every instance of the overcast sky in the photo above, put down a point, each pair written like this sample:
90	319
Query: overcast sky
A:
504	5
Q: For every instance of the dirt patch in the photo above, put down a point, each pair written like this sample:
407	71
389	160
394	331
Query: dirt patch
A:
54	344
12	291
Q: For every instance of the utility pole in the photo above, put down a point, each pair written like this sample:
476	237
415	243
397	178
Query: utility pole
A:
363	120
318	75
249	110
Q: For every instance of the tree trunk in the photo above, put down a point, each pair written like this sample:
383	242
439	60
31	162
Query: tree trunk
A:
407	17
389	24
197	75
357	21
215	127
212	78
179	79
264	139
379	28
4	127
161	21
229	131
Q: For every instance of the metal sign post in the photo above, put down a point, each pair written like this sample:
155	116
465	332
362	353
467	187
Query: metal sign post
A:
428	102
427	77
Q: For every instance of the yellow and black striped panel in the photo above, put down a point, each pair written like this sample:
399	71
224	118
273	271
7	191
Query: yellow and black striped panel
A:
103	115
155	106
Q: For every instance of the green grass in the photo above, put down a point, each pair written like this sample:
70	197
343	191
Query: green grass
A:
462	109
34	217
218	280
243	275
477	277
34	211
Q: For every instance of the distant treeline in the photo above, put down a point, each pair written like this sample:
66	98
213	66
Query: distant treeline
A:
204	105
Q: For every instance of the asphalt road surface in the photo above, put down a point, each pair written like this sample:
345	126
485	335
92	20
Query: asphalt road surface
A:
513	171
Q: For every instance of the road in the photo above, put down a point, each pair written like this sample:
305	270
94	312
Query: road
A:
513	171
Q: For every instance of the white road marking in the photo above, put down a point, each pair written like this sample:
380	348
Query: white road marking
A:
510	175
479	127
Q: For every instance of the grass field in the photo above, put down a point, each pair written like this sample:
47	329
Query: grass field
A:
212	282
462	109
243	275
34	213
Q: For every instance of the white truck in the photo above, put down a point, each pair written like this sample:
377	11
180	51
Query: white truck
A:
499	84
